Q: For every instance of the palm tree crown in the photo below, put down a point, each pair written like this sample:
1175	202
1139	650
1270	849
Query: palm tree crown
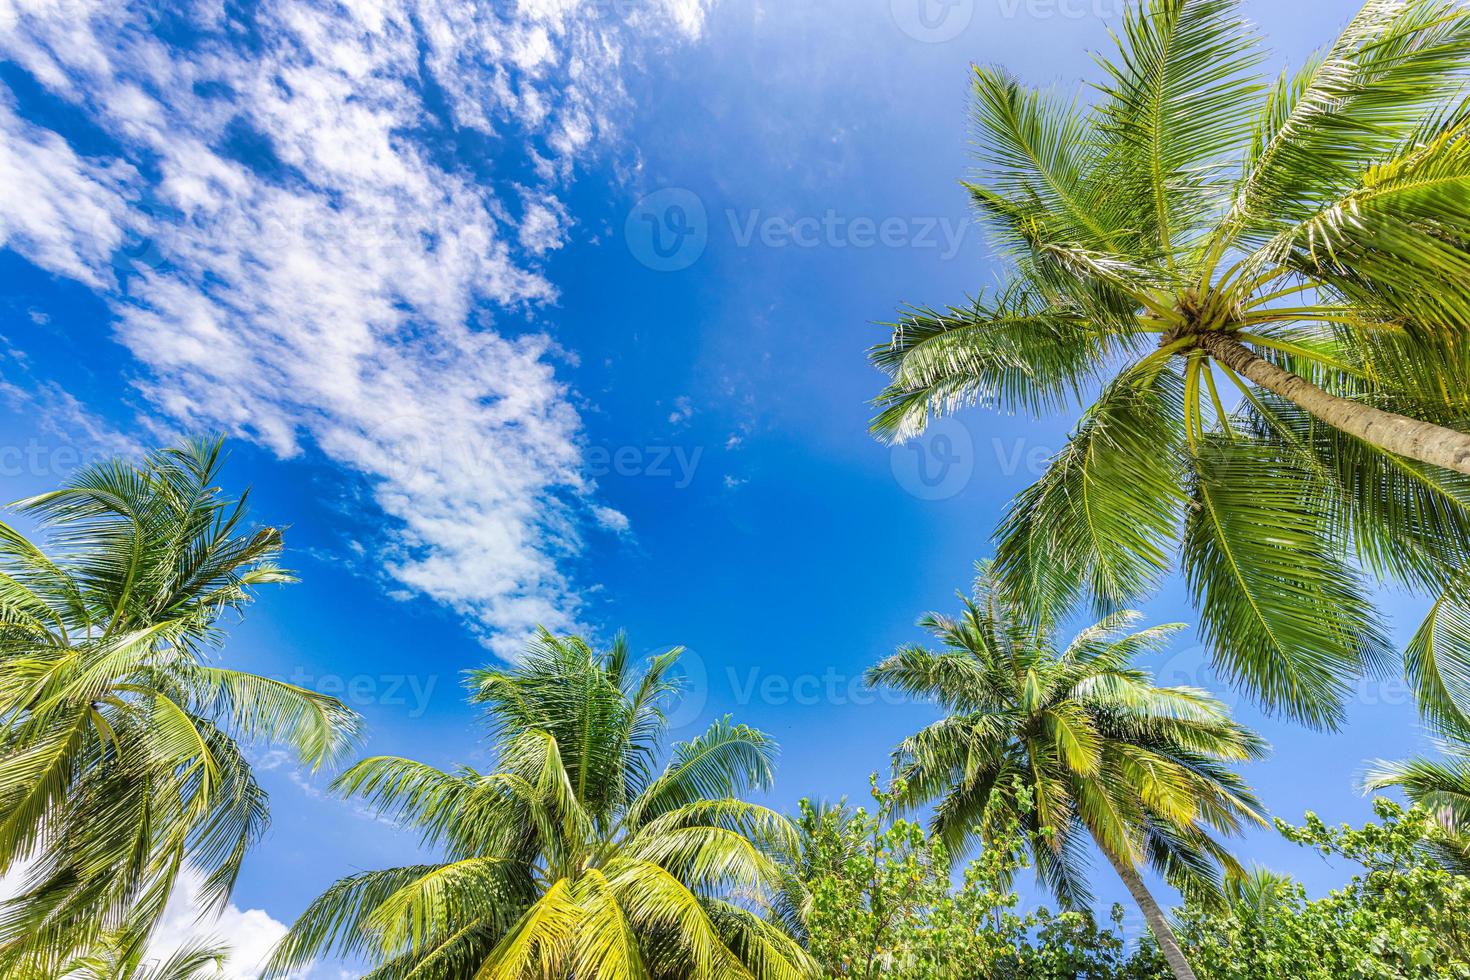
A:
119	759
577	856
1072	743
1269	285
123	956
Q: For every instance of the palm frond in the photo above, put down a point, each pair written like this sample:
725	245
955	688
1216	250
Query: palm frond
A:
1283	611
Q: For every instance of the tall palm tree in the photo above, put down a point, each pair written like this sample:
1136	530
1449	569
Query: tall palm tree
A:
122	748
1072	743
576	856
1263	289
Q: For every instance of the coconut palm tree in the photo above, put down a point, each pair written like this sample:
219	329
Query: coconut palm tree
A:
1441	786
576	856
1258	897
123	956
1073	743
1263	291
122	747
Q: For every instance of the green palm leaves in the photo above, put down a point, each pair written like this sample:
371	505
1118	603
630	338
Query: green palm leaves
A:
123	955
1262	290
577	856
1068	740
1440	786
119	759
1069	743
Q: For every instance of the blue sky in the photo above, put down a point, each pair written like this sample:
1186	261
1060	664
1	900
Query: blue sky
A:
550	312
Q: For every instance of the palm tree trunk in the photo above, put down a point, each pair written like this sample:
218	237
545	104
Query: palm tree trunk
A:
1422	441
1158	923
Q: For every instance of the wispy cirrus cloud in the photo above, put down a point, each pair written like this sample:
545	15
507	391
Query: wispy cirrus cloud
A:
296	232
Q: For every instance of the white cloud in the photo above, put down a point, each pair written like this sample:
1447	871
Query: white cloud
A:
612	520
250	934
335	297
62	210
683	410
544	225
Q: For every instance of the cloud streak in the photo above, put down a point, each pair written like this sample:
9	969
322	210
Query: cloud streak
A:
297	238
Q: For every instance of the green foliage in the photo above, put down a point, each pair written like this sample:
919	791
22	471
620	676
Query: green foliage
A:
123	956
881	903
1401	916
1071	743
1171	239
121	746
577	855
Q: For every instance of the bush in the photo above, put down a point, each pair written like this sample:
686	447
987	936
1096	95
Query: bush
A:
1403	915
879	901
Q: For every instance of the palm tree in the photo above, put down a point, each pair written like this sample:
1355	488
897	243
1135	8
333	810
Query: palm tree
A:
1069	742
122	748
828	835
1266	289
1441	786
123	956
576	856
1258	898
